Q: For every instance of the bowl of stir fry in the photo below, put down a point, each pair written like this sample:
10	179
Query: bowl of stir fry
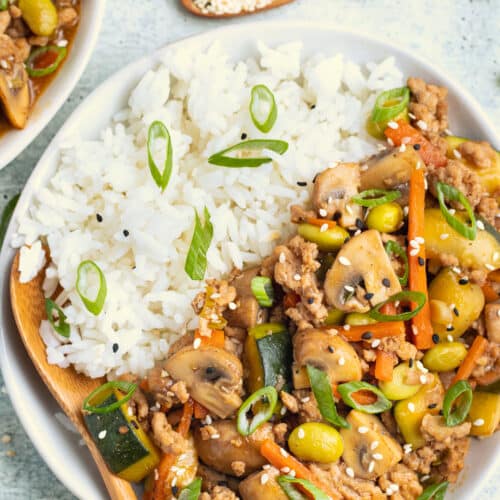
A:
44	48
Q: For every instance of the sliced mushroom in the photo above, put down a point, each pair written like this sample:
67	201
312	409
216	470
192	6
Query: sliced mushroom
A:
492	321
212	376
248	313
367	459
262	485
362	274
333	190
326	352
230	446
388	170
14	94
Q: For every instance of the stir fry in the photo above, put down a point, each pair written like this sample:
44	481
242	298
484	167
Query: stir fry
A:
358	359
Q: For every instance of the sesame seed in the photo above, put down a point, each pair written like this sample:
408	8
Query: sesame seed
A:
347	327
283	410
349	472
489	267
98	217
394	487
322	212
386	282
452	211
215	436
423	379
283	452
414	252
285	470
413	243
349	288
368	296
331	349
306	399
266	466
301	433
341	361
367	335
125	233
498	313
406	211
378	456
364	168
232	306
402	148
418	166
282	258
444	236
463	281
102	434
196	343
412	116
435	338
480	225
375	343
301	183
421	261
421	125
407	447
292	473
390	141
393	125
478	422
344	261
419	240
456	154
363	429
115	347
371	466
374	445
405	140
323	228
411	407
296	277
414	329
264	478
450	338
174	481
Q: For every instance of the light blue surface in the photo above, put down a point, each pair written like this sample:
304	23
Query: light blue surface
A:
460	36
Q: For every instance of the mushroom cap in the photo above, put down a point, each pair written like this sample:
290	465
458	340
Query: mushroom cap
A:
326	352
363	264
213	377
15	95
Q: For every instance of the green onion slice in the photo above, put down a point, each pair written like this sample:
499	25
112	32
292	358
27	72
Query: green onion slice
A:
262	288
6	216
90	278
57	53
192	491
375	197
287	485
263	109
158	130
390	104
348	389
127	388
196	260
435	491
405	296
59	324
449	193
462	390
394	248
223	159
268	399
322	389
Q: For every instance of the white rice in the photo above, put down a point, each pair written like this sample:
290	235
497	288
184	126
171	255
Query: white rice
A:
203	99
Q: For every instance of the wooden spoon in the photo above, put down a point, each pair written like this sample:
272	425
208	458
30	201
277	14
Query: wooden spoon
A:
190	5
68	387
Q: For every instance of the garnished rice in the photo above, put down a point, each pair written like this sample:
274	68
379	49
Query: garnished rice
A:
102	203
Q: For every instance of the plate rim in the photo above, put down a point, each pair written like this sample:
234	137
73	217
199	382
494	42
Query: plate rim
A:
148	61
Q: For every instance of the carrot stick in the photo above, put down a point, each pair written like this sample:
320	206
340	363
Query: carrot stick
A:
216	339
200	412
427	151
383	366
319	222
280	458
187	415
473	354
489	293
421	323
377	330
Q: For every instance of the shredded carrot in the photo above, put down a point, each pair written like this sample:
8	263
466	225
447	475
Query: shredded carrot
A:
489	293
216	339
319	222
473	354
383	366
427	151
144	385
377	330
421	323
162	489
199	411
291	299
280	458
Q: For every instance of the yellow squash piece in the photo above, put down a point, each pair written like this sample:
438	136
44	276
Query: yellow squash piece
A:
40	15
484	413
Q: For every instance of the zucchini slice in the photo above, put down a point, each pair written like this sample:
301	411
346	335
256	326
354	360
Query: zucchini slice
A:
125	447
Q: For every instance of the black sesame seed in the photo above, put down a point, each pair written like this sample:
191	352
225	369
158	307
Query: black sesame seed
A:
347	239
330	349
455	311
98	217
367	335
115	347
421	261
313	106
125	233
337	216
301	183
386	282
314	178
360	224
5	196
243	136
416	147
175	490
435	338
463	281
432	405
368	295
449	328
410	363
310	300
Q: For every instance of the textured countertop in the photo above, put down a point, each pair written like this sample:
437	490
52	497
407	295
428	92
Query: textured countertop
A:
460	36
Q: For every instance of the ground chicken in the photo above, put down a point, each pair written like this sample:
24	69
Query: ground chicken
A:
399	346
308	409
211	478
290	402
4	21
488	364
180	390
434	428
165	437
219	493
421	460
489	209
400	483
238	468
67	17
492	321
480	154
280	431
299	214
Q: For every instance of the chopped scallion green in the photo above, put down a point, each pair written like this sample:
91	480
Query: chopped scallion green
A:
196	260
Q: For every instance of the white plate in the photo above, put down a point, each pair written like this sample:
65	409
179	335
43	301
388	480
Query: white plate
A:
15	141
34	405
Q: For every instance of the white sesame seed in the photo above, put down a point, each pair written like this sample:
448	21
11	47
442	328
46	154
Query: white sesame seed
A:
357	232
215	436
349	288
456	154
285	470
283	452
102	434
444	236
405	140
414	252
344	261
394	487
375	343
292	473
405	211
306	399
456	269
390	141
208	419
426	184
413	243
480	225
296	277
411	407
282	258
402	148
349	472
323	228
407	447
301	433
174	481
371	466
419	240
393	125
283	410
363	429
414	329
266	466
157	474
374	445
424	478
478	422
422	125
347	327
450	338
214	317
348	209
264	478
452	211
232	306
322	212
363	168
496	256
329	200
489	267
423	379
378	456
412	116
341	361
418	166
498	313
196	343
